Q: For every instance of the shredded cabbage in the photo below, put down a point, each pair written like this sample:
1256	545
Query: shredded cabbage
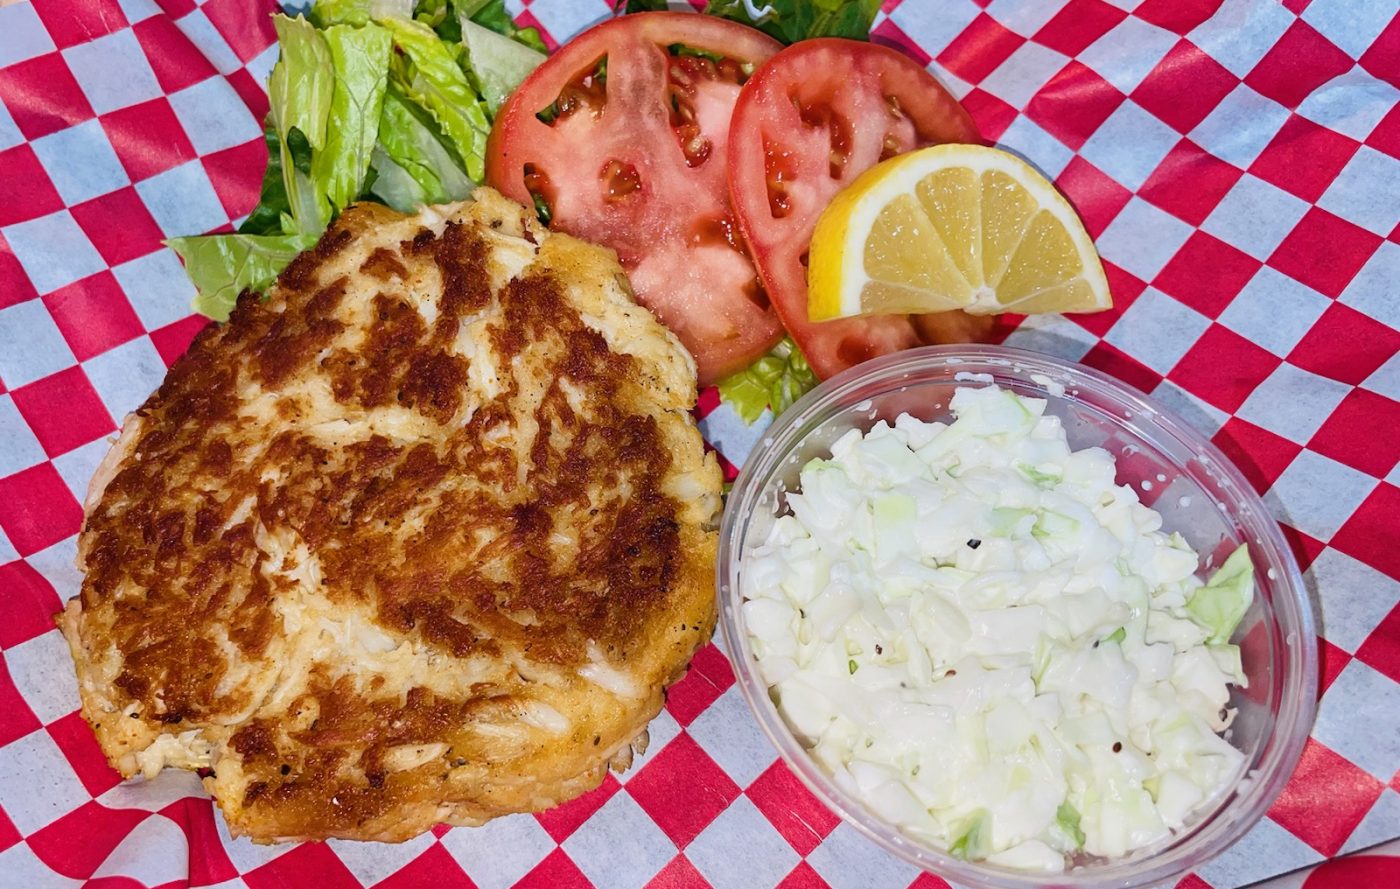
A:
1221	603
996	646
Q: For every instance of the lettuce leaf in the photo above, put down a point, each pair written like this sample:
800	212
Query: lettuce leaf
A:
776	380
413	165
624	7
1221	603
357	12
438	15
498	62
266	218
292	210
223	266
794	20
360	59
492	15
324	95
393	185
436	82
299	99
785	20
365	102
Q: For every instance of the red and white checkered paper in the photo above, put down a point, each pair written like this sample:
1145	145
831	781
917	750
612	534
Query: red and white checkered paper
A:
1238	163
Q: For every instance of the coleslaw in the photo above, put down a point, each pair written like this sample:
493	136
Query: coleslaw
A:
978	632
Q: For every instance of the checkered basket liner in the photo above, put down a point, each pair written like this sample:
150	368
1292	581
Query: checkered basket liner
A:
1237	162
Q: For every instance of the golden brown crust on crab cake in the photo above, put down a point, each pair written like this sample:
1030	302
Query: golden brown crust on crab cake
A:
419	538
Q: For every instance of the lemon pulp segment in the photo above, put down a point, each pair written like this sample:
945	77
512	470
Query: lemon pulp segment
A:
952	227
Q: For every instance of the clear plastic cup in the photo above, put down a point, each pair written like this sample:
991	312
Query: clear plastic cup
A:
1175	470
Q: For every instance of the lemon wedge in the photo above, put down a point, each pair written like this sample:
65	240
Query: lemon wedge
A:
952	227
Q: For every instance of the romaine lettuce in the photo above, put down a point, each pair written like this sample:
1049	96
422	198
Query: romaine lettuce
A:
413	165
499	62
357	12
223	266
493	15
436	82
352	119
266	218
299	93
776	380
360	58
794	20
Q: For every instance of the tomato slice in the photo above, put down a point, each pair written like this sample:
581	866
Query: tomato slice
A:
631	154
812	119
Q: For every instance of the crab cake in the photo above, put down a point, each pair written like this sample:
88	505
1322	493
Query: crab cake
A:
421	537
